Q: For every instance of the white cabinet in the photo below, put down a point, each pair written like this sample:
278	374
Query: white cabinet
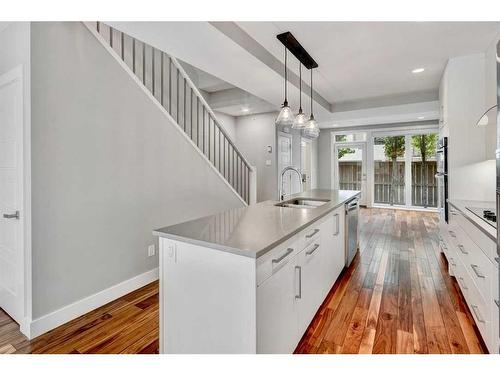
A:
219	302
311	283
470	255
276	312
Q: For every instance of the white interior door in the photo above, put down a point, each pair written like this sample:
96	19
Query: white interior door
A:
350	168
285	160
11	195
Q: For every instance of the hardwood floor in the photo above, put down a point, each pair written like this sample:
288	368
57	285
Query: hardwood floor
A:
128	325
396	297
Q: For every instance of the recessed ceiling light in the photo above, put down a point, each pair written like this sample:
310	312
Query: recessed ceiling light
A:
245	109
420	117
417	70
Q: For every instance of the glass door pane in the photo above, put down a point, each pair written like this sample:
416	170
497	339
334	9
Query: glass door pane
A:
389	170
423	169
351	168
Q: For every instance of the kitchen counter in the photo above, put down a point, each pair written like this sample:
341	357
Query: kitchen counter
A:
254	230
461	205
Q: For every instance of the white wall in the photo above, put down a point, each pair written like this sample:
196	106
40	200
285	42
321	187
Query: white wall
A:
228	123
108	168
471	176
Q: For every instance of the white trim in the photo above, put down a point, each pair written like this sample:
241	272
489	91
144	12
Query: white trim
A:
405	208
21	73
87	304
155	101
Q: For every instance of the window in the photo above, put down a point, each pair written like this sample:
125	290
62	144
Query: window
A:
354	137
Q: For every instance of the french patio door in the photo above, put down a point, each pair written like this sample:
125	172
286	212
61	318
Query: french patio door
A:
349	161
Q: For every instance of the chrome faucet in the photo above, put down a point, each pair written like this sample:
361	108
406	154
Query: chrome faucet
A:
286	169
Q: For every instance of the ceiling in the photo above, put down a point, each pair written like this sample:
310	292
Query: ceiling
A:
360	60
364	75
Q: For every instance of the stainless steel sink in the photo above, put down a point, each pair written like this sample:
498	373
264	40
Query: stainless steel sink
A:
303	203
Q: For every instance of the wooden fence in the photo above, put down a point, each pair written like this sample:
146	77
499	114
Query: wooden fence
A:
422	194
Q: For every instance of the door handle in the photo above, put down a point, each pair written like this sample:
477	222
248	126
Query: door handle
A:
475	309
12	216
287	253
312	234
462	249
315	247
299	295
476	270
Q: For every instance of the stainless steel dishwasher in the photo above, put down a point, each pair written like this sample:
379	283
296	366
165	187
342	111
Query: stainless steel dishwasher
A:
351	230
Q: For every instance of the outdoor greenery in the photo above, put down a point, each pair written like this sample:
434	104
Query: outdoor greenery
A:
344	150
394	148
425	145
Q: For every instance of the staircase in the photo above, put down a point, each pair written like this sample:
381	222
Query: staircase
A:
165	79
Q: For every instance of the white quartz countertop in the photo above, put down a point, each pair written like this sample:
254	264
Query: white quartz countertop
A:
461	205
254	230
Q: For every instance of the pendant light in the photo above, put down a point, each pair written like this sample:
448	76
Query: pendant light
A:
311	129
300	119
285	118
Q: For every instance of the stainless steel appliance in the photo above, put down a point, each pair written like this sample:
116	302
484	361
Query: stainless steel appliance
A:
442	178
488	214
498	156
351	229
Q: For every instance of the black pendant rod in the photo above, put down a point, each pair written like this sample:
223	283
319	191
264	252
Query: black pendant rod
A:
286	80
311	92
300	88
297	50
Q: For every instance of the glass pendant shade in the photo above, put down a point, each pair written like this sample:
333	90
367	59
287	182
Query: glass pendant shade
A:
285	118
300	121
311	129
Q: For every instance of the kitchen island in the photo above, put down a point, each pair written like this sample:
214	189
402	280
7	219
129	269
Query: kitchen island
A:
250	280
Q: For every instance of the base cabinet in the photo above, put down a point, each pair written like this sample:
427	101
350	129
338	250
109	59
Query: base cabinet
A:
219	302
471	261
276	312
299	287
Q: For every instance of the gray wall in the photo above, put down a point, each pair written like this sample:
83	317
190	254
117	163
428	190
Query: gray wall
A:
253	134
228	123
108	168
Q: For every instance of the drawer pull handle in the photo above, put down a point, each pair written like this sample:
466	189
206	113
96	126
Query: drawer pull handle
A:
452	234
337	230
462	249
312	234
497	302
299	295
287	253
460	282
452	261
476	270
315	247
475	309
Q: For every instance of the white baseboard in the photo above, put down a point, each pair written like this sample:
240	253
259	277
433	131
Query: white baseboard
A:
87	304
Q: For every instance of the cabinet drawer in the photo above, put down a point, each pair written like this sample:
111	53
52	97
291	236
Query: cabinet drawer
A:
277	258
477	264
483	242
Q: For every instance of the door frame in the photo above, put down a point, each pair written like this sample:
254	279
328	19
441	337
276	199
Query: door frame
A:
364	162
17	74
309	141
279	134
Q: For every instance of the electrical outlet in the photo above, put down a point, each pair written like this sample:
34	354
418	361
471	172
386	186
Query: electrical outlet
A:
151	250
